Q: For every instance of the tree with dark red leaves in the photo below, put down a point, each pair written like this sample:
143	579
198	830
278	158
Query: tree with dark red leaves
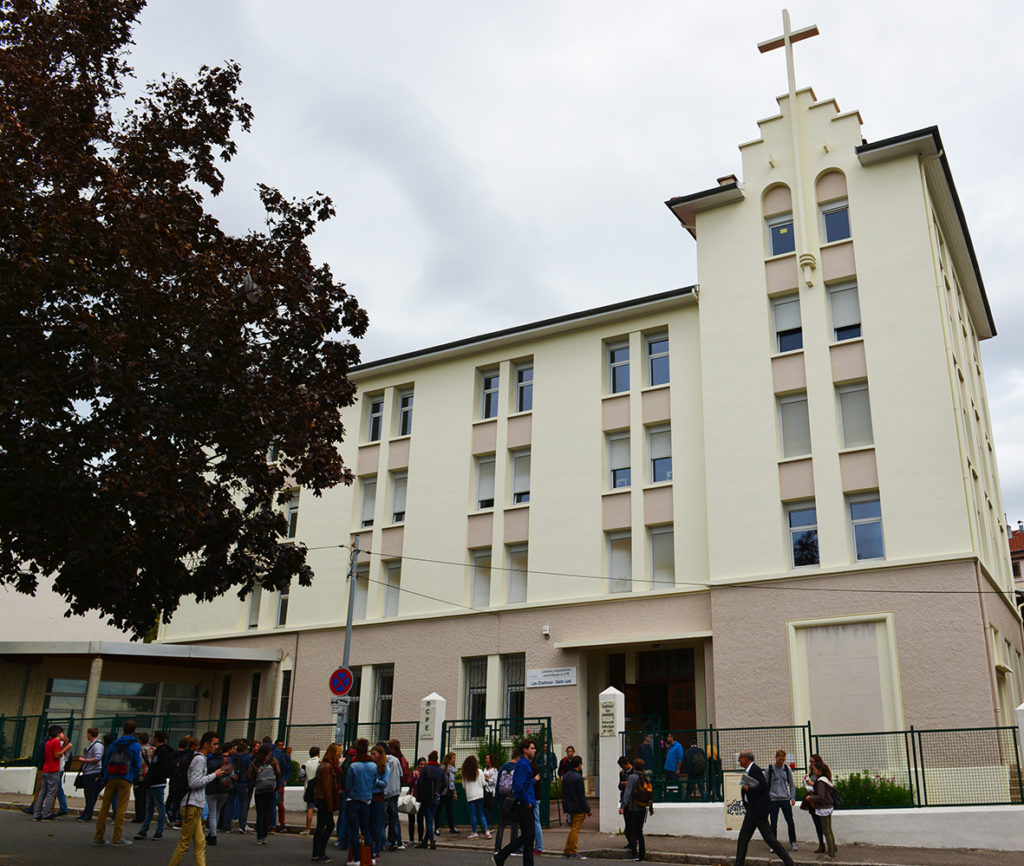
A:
148	360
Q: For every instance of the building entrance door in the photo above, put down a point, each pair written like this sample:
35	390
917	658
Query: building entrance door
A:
664	694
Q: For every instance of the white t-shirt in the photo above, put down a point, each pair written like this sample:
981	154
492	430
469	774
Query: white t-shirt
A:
311	767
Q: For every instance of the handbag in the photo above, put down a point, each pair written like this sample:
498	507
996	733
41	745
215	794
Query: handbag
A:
80	780
407	804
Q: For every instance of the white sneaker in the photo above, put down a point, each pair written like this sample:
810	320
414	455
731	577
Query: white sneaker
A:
473	836
792	846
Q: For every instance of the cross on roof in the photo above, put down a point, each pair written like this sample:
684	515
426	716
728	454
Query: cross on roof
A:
787	39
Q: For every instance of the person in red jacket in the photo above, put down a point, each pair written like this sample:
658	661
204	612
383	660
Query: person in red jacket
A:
56	746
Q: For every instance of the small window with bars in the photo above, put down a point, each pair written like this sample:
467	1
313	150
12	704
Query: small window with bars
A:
514	676
476	694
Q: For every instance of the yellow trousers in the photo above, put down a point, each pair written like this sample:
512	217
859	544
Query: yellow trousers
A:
191	835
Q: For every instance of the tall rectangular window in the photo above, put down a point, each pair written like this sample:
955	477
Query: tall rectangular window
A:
376	419
282	608
855	414
292	515
618	368
802	518
286	694
795	425
476	693
518	571
524	387
385	675
369	501
781	239
254	705
657	360
663	556
392	588
399	487
789	334
485	482
405	413
489	394
362	591
513	676
660	446
521	477
620	562
845	309
618	459
255	597
866	523
480	591
835	221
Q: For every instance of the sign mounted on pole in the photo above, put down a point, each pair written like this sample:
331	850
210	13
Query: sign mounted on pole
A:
341	681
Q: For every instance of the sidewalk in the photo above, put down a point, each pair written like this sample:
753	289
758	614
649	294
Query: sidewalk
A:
688	849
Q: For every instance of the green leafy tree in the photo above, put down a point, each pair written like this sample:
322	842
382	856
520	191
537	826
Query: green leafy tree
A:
148	359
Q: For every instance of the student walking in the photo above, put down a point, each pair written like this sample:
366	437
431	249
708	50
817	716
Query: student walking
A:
194	801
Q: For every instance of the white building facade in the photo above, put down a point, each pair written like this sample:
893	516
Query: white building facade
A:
778	483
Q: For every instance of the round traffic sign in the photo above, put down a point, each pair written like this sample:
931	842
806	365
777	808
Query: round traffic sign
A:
341	681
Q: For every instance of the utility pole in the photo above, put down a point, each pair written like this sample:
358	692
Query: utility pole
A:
342	717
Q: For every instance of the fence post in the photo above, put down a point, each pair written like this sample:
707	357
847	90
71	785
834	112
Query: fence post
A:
1018	736
612	720
911	749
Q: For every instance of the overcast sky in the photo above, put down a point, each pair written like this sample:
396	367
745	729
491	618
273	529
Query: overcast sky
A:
494	163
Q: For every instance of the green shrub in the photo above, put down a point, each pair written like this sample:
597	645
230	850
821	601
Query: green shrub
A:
485	747
872	791
556	788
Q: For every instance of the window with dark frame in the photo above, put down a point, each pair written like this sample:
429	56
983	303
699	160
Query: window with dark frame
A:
514	676
524	388
657	360
618	368
490	382
405	413
476	694
376	419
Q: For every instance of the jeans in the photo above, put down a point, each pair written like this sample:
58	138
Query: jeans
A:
264	813
538	835
191	836
446	804
61	799
227	811
215	802
524	817
416	822
476	815
430	812
49	785
377	826
830	840
93	785
342	842
787	813
324	828
698	782
154	802
503	822
392	820
358	823
242	805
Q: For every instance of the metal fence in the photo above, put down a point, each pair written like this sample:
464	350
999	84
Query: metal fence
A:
941	767
302	737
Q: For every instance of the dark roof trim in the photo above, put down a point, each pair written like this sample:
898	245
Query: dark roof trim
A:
864	153
532	326
686	207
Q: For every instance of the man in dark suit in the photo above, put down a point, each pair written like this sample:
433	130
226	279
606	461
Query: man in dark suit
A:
757	804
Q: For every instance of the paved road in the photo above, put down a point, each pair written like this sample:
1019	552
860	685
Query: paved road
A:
66	842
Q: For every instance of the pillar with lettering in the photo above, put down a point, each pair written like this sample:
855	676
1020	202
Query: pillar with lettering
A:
432	715
611	719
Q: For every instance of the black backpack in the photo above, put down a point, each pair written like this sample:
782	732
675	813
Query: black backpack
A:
120	759
698	762
178	778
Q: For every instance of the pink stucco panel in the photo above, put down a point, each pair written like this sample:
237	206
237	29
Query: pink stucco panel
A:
368	459
479	530
848	362
657	406
615	412
615	511
658	505
831	186
485	437
391	541
777	200
796	480
788	374
780	275
859	470
517	525
520	431
398	453
837	262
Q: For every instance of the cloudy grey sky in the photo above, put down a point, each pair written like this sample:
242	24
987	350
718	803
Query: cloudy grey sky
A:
494	163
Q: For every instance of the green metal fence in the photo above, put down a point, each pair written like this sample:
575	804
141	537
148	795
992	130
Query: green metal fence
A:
941	767
497	737
302	737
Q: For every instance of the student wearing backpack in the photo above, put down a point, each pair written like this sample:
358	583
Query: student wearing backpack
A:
122	764
637	803
264	774
502	792
756	806
154	784
524	802
823	801
194	801
695	763
782	791
218	789
574	802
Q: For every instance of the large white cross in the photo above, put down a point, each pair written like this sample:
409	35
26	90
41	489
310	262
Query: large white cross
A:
787	39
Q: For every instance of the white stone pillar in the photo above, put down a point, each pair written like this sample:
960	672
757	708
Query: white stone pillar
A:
611	720
433	709
92	690
1020	732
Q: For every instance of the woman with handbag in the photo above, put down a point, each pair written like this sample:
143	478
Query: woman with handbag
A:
822	802
490	772
416	813
326	797
473	785
377	804
809	779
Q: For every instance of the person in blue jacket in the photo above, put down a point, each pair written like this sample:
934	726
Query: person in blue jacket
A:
359	786
525	800
122	767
